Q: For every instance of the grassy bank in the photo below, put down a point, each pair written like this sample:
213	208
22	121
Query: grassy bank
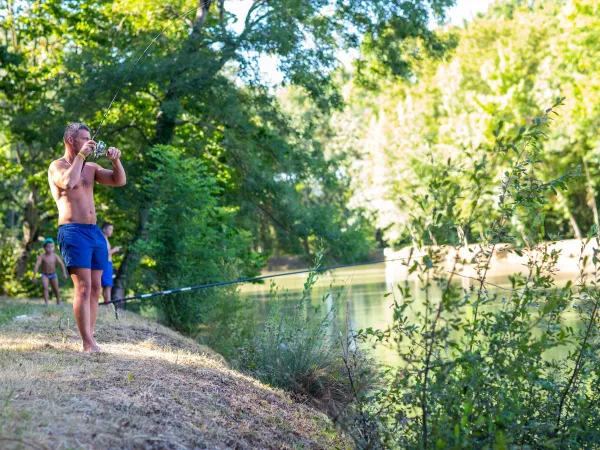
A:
151	388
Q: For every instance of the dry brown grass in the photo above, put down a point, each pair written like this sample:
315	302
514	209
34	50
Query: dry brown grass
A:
151	389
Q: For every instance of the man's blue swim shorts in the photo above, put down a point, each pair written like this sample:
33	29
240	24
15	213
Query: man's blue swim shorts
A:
83	246
107	275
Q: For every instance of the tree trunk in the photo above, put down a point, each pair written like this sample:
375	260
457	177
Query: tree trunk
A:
13	31
564	205
31	222
307	249
591	192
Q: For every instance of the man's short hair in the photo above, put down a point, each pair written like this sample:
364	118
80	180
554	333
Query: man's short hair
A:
106	225
73	128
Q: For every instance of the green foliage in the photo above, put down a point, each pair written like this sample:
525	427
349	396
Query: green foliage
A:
295	350
480	377
506	63
198	89
190	241
8	251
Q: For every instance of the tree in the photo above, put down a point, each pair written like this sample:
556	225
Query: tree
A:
199	89
518	55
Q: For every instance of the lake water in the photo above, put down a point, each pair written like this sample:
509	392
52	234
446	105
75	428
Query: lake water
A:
365	288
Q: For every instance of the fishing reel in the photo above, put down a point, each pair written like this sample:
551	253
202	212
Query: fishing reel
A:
100	150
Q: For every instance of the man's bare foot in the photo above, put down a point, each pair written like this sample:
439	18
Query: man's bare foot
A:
91	348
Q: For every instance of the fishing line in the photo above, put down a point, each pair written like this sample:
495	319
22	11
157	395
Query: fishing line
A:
264	277
100	149
136	64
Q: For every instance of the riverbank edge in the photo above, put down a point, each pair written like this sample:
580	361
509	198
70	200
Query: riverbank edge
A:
504	261
151	388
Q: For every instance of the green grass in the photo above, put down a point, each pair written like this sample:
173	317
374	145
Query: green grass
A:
9	309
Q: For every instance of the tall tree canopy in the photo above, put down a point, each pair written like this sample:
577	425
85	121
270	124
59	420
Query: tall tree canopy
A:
508	62
199	90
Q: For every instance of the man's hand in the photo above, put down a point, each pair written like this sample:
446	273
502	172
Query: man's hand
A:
87	148
117	249
113	154
65	276
34	279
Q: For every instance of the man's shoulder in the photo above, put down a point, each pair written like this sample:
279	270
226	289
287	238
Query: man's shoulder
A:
57	164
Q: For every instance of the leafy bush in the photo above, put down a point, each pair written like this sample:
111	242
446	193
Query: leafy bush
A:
296	351
190	242
480	377
9	284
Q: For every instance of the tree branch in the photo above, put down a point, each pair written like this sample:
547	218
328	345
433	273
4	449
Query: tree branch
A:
201	16
250	24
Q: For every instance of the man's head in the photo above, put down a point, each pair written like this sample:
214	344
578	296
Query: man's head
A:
76	134
48	245
107	229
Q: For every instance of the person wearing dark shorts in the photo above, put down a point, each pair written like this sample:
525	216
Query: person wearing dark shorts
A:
48	261
72	179
107	276
82	245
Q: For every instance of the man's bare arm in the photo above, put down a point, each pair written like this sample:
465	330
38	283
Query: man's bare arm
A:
68	178
114	177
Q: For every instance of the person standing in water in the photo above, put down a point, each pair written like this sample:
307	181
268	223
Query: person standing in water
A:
48	261
107	275
81	242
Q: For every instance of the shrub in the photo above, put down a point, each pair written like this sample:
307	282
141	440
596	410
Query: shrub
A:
191	241
480	377
298	349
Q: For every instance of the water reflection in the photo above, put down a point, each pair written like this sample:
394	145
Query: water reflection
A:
365	288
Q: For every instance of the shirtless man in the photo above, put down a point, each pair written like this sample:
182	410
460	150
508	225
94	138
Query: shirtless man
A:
48	261
81	242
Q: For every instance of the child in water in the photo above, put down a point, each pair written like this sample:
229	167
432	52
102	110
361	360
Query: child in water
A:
48	261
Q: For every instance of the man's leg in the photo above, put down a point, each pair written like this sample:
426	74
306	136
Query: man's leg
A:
82	279
54	283
45	287
95	298
106	293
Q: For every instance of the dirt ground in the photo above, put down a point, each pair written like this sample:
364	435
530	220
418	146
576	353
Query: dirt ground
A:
151	389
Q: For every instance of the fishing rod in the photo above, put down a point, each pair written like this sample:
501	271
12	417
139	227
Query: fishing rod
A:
285	274
100	149
252	279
